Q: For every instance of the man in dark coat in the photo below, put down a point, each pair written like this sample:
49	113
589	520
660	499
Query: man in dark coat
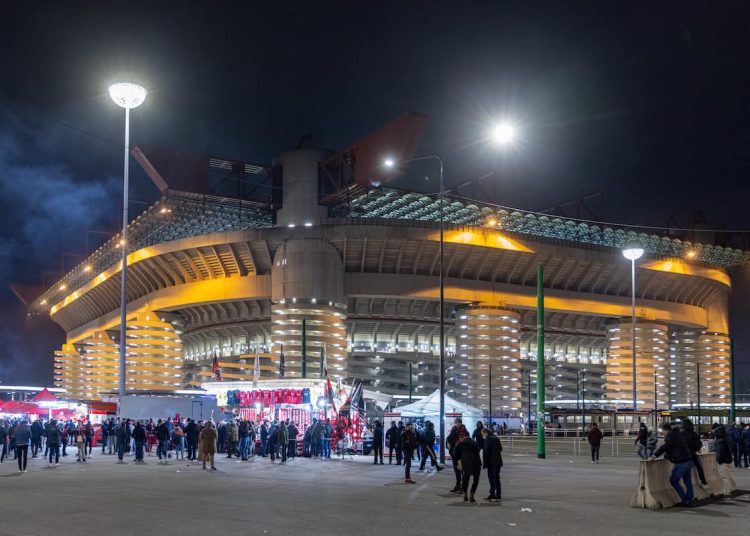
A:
457	435
595	440
493	462
393	435
191	436
466	455
408	444
377	442
676	451
293	433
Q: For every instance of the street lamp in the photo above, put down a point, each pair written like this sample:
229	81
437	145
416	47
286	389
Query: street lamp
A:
126	95
633	251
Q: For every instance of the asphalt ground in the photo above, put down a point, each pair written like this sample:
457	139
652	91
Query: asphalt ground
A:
562	495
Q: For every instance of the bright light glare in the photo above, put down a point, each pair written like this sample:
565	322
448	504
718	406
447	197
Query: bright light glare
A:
389	162
63	287
504	133
87	268
632	252
127	95
492	222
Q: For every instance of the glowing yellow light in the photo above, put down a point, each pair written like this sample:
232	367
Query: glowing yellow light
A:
63	287
87	268
691	254
492	222
44	302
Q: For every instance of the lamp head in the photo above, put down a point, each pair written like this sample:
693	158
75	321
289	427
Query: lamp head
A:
504	133
390	163
127	95
633	251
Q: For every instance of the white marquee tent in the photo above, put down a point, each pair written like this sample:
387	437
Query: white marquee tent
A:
429	407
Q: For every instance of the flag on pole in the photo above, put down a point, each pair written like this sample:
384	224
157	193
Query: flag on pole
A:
215	366
256	368
358	400
323	364
282	364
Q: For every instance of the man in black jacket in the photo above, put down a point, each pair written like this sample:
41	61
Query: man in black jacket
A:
676	451
191	436
377	442
393	435
493	462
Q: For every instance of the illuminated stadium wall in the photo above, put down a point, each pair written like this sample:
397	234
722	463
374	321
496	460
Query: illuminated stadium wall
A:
212	276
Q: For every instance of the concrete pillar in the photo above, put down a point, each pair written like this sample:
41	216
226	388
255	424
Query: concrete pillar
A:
711	351
308	283
489	335
300	196
652	356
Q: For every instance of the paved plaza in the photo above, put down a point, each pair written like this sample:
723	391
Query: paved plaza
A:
561	495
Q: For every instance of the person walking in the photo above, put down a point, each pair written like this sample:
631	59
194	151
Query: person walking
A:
36	437
377	442
104	436
207	445
641	441
22	439
88	435
724	458
54	438
243	433
139	436
327	438
466	454
492	460
408	444
264	438
392	436
273	441
427	442
675	450
457	435
595	436
733	438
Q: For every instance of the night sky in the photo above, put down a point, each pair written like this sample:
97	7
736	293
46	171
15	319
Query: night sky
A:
647	103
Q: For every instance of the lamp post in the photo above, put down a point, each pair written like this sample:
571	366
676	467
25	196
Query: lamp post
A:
633	252
502	134
128	96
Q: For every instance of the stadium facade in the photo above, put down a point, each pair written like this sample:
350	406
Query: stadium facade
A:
235	274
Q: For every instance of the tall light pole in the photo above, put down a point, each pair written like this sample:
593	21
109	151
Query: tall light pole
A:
128	96
633	252
502	134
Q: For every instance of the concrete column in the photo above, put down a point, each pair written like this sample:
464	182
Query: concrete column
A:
308	283
299	172
652	356
489	335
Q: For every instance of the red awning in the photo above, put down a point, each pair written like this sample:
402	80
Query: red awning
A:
44	396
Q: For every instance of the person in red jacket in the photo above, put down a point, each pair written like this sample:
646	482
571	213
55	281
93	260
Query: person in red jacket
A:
595	440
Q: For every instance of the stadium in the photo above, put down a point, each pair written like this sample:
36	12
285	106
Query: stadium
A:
236	257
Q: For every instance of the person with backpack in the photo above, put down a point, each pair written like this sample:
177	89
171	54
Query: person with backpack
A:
408	444
54	438
178	438
595	436
724	458
457	435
